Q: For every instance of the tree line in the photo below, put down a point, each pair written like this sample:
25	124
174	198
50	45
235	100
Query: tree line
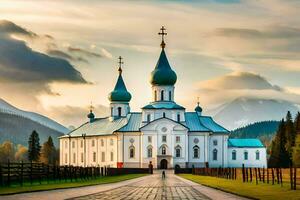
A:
285	147
47	153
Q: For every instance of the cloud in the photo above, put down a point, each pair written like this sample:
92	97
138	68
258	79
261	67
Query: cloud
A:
28	72
64	55
88	53
75	115
239	81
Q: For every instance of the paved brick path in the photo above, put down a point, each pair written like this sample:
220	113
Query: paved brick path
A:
152	188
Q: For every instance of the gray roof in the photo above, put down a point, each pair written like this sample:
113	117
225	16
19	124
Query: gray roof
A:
163	105
133	123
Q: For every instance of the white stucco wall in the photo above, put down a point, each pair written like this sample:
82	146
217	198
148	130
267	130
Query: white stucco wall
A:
252	161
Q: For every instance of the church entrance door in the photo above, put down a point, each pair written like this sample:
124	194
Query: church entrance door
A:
163	164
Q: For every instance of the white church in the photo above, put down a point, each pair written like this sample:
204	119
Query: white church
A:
163	133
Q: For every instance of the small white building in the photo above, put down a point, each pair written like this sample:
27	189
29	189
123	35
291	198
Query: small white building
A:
163	133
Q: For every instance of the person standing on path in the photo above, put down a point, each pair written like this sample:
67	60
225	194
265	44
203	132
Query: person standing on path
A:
163	175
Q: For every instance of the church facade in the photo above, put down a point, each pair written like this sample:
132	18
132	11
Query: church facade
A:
163	133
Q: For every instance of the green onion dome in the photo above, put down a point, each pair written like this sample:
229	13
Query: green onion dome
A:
120	92
198	109
163	74
91	115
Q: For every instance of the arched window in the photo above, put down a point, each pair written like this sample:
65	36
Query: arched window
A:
170	95
246	155
148	118
119	111
131	152
178	152
233	155
164	114
178	117
155	95
163	150
111	111
196	151
94	156
149	152
162	93
257	155
215	154
102	142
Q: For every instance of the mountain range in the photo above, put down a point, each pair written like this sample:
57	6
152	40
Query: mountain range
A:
244	110
16	125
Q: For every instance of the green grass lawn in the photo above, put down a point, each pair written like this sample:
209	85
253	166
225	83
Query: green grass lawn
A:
261	191
36	186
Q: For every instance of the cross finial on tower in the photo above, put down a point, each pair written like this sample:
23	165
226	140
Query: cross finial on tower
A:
162	33
91	107
120	64
198	103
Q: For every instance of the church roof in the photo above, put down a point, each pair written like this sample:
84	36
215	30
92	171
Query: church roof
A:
134	123
163	105
244	143
120	92
163	74
194	124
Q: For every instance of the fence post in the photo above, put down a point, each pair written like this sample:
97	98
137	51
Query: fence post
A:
256	176
1	176
277	175
259	174
48	171
251	175
263	175
22	169
295	178
243	172
280	176
273	176
8	172
31	172
268	175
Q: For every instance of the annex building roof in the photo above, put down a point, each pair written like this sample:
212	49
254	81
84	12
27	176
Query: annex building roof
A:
244	143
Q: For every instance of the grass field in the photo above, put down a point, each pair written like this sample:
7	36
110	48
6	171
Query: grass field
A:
261	191
36	186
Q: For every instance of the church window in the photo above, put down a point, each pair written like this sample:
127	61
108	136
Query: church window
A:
73	144
102	142
177	138
163	150
66	144
81	143
149	139
103	156
119	111
74	157
93	143
94	156
164	138
257	155
164	114
149	152
111	156
234	155
215	154
215	142
178	152
246	155
111	142
131	152
196	151
170	96
155	95
162	93
148	118
111	111
81	157
178	117
66	158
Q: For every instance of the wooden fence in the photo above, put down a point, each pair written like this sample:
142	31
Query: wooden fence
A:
19	173
258	175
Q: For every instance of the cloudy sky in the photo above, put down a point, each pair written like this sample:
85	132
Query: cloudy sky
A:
57	56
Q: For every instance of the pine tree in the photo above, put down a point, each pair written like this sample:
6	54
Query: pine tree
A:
34	147
296	152
48	154
279	156
297	124
290	134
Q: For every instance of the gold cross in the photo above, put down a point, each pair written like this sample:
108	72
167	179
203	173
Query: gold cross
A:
91	107
198	101
120	64
162	33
